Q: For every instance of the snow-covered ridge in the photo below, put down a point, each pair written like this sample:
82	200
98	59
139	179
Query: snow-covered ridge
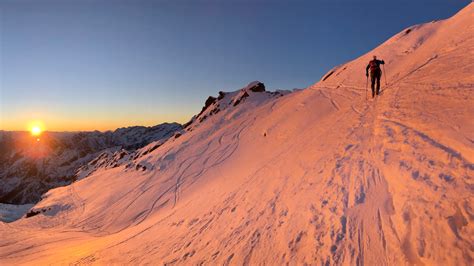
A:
413	50
226	103
321	176
255	93
214	115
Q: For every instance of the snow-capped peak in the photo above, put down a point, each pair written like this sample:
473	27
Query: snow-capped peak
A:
254	93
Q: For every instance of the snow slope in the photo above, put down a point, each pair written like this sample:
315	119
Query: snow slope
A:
318	176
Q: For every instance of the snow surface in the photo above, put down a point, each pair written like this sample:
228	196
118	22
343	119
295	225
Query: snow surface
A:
9	212
317	176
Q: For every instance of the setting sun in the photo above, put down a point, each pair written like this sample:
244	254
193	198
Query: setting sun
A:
36	128
35	131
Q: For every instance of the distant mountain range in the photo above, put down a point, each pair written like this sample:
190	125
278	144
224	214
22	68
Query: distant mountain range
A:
29	168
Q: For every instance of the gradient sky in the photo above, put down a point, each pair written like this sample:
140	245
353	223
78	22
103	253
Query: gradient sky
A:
84	65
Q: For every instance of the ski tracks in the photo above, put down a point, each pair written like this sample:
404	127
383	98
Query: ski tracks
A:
364	194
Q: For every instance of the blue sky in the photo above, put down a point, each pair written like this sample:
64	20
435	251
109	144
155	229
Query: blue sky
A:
84	65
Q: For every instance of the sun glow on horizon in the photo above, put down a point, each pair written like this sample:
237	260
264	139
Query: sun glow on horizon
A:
36	128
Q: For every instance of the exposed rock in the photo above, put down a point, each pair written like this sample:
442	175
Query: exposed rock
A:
238	100
259	87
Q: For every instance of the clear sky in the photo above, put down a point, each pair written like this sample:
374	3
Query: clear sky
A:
84	65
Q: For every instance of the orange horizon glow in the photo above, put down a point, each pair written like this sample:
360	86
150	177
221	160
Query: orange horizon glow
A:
70	125
89	120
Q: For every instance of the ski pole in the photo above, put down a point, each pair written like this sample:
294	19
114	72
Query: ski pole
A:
366	84
384	74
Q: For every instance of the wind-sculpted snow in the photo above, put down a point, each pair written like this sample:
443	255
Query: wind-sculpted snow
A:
320	176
